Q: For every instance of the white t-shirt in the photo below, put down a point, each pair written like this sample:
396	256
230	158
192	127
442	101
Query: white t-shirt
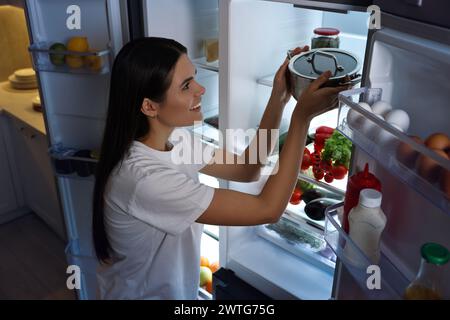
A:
151	205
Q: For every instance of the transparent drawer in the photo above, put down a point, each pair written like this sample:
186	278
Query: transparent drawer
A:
301	240
92	62
69	162
392	148
392	281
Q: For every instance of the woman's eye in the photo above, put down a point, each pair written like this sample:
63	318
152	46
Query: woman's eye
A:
186	86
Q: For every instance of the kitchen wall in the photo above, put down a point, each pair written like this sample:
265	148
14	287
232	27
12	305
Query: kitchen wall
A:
17	3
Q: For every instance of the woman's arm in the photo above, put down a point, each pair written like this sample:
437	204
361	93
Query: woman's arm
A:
241	168
235	208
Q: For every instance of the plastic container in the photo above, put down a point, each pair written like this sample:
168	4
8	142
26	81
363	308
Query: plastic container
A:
356	183
367	222
428	282
325	38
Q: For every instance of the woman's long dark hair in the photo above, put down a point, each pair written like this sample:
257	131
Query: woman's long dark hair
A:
142	69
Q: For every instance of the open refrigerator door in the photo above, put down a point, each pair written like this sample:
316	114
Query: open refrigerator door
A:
407	66
73	44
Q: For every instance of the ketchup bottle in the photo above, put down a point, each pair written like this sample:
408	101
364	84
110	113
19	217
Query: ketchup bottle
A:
357	182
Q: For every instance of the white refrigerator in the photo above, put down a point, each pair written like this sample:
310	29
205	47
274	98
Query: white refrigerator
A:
253	37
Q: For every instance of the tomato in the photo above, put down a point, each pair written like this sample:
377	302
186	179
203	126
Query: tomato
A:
318	173
324	129
306	161
329	177
326	165
296	196
306	151
339	171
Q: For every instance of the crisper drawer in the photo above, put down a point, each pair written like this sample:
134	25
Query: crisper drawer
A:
423	170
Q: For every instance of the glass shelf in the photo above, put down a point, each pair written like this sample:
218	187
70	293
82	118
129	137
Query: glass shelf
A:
384	143
202	63
207	133
266	81
297	212
393	282
72	163
93	62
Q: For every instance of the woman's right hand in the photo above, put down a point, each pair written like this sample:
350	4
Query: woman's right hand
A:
315	100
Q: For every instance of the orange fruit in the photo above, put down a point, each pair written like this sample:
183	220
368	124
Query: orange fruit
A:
204	261
93	62
78	44
74	61
214	266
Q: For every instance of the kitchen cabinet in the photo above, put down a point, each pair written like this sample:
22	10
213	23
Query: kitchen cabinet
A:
36	174
8	199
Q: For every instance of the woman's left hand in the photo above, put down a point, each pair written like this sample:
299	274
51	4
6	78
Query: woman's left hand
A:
281	90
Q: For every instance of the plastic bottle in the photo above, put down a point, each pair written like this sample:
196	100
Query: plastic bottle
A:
427	284
357	182
367	222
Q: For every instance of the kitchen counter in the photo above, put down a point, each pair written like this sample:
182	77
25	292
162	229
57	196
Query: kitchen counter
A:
18	104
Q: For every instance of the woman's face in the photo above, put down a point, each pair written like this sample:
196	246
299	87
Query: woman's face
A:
182	104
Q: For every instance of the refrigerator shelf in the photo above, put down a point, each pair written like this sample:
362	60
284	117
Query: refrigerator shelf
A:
93	62
393	282
72	163
202	63
386	144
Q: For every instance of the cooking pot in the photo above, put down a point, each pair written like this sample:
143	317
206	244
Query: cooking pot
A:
308	66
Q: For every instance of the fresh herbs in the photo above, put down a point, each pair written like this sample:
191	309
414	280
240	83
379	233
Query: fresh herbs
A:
338	149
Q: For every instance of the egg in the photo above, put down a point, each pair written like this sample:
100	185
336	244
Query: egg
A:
430	169
384	137
438	141
354	118
381	107
407	154
398	117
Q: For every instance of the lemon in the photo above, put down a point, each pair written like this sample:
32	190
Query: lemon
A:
74	61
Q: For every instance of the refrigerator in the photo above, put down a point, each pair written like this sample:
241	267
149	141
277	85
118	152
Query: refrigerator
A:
253	37
405	62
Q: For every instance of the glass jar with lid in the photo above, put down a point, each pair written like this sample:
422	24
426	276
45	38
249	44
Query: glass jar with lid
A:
325	38
428	282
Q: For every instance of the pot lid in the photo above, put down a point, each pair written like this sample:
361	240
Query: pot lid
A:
313	63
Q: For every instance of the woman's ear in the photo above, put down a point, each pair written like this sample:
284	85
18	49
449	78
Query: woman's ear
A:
149	108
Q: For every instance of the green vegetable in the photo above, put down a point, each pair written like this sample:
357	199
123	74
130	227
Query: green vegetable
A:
338	149
304	186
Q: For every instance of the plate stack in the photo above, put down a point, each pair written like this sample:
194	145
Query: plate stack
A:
36	102
23	79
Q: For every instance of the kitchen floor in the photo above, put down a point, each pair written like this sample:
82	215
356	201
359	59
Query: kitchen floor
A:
32	261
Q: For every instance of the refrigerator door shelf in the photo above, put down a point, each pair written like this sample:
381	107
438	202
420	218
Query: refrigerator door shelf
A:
389	146
202	63
392	282
92	62
74	163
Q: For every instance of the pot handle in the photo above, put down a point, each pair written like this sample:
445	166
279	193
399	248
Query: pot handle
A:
355	79
327	55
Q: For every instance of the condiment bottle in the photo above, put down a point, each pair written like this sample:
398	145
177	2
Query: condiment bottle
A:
427	284
367	222
357	182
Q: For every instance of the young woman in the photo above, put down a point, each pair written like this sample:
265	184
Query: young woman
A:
148	210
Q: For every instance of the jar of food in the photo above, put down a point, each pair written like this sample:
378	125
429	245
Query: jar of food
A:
325	38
